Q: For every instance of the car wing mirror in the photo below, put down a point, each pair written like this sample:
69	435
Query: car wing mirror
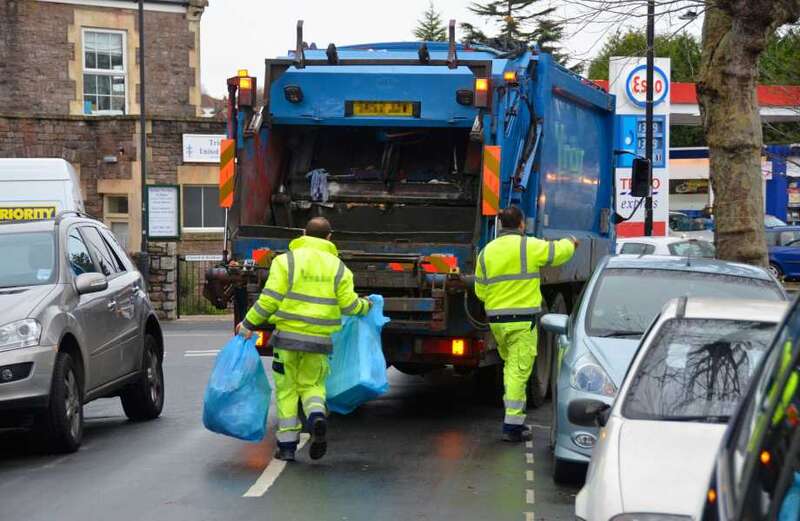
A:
588	413
90	283
554	323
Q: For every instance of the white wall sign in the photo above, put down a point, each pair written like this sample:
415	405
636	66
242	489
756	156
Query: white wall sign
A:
203	258
163	212
201	148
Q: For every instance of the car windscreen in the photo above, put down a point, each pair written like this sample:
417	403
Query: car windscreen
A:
696	369
27	259
626	300
692	249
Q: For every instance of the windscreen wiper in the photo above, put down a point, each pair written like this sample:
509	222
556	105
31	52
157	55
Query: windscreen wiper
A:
610	334
703	418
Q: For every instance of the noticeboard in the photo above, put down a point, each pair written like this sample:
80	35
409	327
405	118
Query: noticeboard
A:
163	212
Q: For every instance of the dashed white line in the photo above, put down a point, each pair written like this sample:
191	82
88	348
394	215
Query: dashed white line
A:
528	444
530	516
529	458
271	473
530	497
529	475
204	352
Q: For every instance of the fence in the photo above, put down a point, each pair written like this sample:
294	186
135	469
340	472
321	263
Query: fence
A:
191	282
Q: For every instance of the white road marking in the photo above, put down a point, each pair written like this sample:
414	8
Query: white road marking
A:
528	444
529	475
529	458
206	334
271	473
530	498
207	352
530	516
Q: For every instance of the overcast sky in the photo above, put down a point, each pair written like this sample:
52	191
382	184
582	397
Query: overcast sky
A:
242	33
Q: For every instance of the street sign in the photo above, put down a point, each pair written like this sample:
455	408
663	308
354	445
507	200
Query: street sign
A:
201	148
163	212
202	258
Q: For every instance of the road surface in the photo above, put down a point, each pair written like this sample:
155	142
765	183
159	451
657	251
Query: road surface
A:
425	451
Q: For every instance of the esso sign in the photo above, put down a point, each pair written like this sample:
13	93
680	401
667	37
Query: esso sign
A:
636	86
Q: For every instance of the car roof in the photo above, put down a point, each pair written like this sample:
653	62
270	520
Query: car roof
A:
44	224
660	240
693	264
728	309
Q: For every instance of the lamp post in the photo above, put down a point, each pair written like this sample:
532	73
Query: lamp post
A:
142	133
648	136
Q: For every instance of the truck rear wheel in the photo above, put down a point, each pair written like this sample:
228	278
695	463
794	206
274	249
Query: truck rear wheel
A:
539	386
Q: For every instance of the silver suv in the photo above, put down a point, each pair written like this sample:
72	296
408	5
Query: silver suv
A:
75	325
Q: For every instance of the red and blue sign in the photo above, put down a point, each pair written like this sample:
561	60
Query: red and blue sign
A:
636	86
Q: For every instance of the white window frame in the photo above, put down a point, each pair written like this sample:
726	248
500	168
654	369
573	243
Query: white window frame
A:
197	229
120	218
105	72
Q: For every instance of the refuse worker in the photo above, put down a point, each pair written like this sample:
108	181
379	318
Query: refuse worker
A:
308	290
507	281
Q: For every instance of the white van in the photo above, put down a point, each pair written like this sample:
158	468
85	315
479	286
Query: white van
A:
35	189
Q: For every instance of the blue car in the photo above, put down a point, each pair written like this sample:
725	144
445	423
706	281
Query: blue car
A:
598	341
784	251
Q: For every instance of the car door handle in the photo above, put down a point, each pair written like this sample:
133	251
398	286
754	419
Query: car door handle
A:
112	305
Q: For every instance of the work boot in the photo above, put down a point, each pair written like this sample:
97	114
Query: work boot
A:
285	452
522	433
318	427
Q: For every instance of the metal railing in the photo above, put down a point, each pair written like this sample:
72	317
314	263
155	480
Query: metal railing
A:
191	282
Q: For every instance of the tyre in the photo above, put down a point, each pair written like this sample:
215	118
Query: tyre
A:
144	399
61	425
539	384
568	472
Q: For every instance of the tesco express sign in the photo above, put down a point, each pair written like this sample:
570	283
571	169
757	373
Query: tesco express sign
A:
636	86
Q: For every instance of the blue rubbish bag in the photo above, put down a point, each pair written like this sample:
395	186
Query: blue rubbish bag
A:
790	509
358	368
237	397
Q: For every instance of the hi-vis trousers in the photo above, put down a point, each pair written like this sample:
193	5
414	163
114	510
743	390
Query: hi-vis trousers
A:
516	343
298	376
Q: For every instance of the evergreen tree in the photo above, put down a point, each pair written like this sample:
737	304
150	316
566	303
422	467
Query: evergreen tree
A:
431	28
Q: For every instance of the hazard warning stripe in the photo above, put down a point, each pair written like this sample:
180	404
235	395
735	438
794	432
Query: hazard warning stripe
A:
491	180
227	155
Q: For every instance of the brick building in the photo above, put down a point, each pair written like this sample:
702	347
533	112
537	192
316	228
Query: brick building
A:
69	88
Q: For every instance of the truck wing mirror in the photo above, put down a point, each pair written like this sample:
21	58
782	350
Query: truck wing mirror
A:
641	177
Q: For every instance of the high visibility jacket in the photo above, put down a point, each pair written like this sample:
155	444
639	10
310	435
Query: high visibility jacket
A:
308	290
507	276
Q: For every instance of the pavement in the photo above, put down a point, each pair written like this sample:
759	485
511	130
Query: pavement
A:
429	449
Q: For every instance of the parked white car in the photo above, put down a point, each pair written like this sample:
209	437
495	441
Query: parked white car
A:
659	439
675	246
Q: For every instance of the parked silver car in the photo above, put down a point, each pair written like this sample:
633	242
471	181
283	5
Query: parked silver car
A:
75	324
597	343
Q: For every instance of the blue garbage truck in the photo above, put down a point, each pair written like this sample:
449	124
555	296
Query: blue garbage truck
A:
410	149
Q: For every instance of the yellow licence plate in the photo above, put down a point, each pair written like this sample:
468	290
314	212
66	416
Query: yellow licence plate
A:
383	108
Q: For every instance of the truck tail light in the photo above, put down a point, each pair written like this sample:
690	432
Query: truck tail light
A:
482	89
293	94
247	89
457	346
510	77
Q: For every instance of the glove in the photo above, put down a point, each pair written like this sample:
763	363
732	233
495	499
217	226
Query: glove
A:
242	330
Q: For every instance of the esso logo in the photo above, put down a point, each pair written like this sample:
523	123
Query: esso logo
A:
636	86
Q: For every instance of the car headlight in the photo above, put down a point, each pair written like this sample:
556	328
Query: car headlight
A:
650	517
588	376
22	333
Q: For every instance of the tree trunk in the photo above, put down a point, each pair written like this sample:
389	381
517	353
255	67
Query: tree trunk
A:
735	33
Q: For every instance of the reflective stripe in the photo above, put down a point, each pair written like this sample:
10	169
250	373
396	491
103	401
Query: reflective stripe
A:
338	278
289	423
313	300
288	436
308	320
513	419
311	339
482	260
551	253
248	325
515	404
506	278
523	254
352	307
512	311
261	311
270	293
314	404
290	262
